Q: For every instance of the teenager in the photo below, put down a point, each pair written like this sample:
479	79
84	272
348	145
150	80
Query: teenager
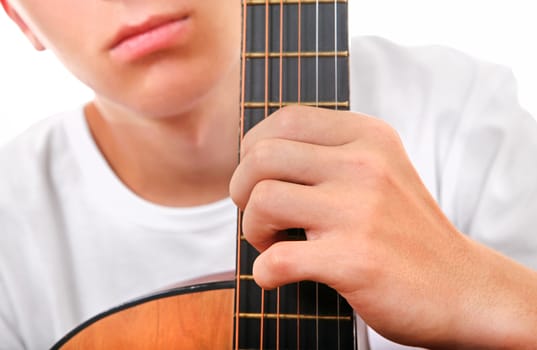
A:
416	215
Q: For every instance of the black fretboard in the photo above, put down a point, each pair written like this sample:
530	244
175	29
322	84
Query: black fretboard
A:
279	69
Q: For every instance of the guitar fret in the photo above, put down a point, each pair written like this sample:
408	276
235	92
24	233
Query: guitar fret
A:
309	21
309	54
322	104
294	52
294	2
294	317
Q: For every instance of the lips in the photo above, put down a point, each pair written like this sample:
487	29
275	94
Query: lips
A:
154	34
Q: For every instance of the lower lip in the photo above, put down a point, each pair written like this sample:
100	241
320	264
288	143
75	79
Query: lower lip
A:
153	40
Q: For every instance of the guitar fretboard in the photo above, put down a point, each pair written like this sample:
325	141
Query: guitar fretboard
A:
294	52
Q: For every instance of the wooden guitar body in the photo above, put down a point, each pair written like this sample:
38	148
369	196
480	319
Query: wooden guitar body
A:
202	315
192	317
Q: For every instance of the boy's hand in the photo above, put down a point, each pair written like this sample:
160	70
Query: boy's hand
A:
374	233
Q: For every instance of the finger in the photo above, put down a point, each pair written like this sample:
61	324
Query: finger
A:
295	261
309	125
282	160
275	206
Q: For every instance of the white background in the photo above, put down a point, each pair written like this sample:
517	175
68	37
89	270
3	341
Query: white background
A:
34	85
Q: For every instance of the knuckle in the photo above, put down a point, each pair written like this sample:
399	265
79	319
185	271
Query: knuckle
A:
366	164
235	192
286	118
245	144
261	152
260	198
239	187
380	175
384	134
249	224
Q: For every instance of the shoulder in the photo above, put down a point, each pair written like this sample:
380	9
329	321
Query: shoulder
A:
31	163
37	146
452	111
426	92
374	54
433	78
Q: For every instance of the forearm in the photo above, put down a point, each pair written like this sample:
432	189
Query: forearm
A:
498	310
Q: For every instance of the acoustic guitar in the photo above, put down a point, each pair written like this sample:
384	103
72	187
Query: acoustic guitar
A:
293	52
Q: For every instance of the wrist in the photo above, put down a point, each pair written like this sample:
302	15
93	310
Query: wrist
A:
497	303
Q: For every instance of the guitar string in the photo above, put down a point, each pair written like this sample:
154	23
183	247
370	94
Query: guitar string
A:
299	98
317	105
280	93
241	135
336	98
267	49
280	103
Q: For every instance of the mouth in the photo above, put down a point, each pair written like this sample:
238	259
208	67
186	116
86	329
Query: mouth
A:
154	34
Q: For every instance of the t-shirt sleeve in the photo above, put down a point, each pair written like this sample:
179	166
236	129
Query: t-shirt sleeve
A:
490	179
9	340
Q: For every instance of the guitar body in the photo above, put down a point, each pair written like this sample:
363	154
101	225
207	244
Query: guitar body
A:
189	318
200	315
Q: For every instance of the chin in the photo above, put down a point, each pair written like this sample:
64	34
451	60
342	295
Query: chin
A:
148	104
167	97
165	105
169	86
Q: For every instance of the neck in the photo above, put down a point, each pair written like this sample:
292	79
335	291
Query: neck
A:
183	160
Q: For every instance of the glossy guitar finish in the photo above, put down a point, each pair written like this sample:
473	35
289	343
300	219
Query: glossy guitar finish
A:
191	318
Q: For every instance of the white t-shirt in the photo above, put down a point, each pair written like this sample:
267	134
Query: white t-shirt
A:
74	241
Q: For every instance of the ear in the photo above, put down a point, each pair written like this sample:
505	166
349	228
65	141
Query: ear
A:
22	25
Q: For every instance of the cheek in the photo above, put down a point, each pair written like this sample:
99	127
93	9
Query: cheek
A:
64	25
160	85
71	34
223	25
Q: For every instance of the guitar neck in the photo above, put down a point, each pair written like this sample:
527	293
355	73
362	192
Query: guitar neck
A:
294	52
